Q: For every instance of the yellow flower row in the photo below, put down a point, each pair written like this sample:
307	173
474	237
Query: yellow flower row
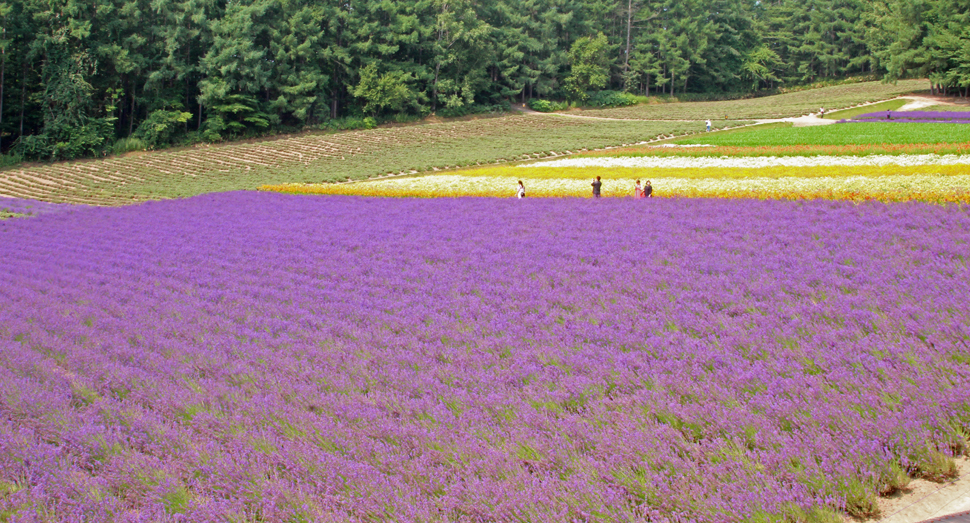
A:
632	173
933	187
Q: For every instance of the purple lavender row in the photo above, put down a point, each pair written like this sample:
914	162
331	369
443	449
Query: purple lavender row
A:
914	115
254	355
900	120
35	207
912	120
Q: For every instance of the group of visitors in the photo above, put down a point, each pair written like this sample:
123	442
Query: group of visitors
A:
645	191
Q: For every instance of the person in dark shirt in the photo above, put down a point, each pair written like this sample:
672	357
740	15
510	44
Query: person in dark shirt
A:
648	190
597	184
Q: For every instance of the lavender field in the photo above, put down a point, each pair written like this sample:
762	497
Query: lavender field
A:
267	357
915	116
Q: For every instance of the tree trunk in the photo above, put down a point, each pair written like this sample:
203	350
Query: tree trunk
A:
434	89
629	26
3	69
131	113
23	100
437	70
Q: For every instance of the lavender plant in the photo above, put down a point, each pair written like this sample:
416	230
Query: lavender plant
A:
270	357
25	207
917	116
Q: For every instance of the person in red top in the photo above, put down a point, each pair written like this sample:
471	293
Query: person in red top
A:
637	190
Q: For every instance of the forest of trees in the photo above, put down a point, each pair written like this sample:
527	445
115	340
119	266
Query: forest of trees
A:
78	76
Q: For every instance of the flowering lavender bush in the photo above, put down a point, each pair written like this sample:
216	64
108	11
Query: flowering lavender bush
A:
20	206
905	120
269	357
917	116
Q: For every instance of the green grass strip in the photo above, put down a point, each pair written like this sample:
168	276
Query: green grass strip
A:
840	134
889	105
947	108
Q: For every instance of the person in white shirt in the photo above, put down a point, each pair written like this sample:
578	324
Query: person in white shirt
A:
521	192
708	126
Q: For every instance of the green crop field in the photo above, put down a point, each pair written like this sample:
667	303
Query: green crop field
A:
963	108
320	157
841	134
891	105
780	106
323	158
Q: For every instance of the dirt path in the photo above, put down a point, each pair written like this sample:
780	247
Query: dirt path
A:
524	109
801	121
915	102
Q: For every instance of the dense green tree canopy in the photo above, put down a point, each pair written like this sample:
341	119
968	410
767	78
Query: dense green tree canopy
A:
78	76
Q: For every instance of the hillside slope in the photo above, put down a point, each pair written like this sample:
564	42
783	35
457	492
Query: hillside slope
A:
319	157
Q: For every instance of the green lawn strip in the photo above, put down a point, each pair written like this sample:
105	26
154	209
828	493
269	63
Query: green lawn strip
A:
889	105
780	106
946	108
738	130
6	214
784	151
841	134
548	135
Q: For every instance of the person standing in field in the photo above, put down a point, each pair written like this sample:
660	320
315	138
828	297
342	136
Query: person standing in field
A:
637	190
708	126
648	190
597	185
521	192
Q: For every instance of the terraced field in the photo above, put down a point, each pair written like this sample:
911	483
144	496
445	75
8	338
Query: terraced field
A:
322	158
889	162
780	106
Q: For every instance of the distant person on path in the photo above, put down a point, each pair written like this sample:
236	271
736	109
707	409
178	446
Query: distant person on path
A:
821	112
708	126
521	192
637	190
597	185
648	190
